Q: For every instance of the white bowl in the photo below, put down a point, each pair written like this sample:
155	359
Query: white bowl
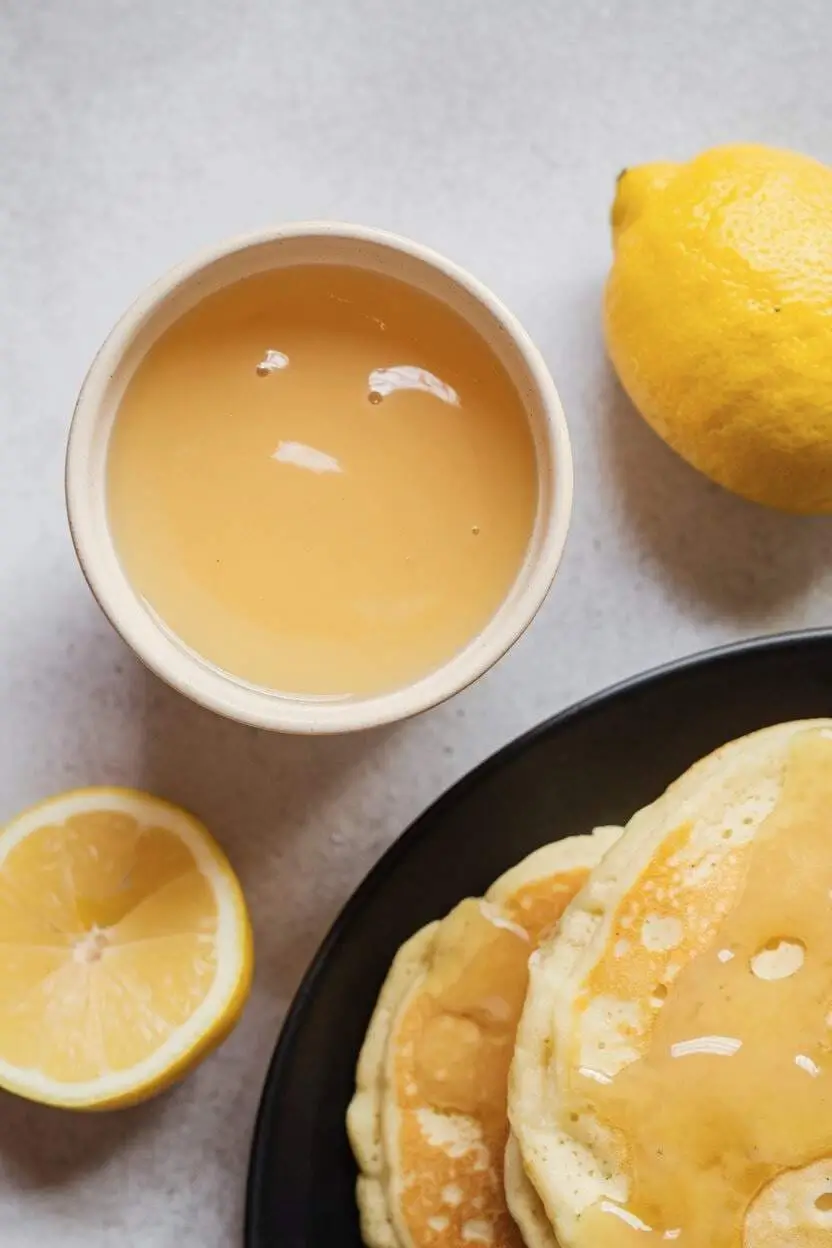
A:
95	413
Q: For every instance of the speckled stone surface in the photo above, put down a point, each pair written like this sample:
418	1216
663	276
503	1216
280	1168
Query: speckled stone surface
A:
131	134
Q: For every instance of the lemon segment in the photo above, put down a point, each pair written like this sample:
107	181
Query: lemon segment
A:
125	948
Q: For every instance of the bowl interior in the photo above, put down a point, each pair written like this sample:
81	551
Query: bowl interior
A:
164	303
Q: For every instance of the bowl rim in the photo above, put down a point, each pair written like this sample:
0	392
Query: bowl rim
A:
220	691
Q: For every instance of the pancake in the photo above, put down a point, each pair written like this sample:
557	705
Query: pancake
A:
523	1202
428	1120
672	1077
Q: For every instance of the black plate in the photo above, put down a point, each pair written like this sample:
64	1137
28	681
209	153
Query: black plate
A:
596	763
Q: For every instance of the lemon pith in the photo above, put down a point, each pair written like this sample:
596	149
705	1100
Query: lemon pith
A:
718	316
125	948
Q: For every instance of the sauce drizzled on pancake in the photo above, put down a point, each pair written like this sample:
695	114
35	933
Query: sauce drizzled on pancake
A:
729	1086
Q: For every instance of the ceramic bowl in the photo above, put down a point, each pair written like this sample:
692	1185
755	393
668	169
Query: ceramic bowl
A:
164	303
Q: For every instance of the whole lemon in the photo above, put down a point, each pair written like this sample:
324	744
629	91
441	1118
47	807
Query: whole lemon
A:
718	316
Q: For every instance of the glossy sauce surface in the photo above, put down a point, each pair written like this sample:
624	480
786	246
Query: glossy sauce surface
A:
734	1089
322	481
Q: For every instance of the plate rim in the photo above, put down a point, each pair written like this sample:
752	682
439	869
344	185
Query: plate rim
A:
375	878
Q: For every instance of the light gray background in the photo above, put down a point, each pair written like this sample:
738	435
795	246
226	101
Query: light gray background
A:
133	132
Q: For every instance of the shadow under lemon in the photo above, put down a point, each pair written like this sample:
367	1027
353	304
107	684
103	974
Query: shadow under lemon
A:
745	560
42	1147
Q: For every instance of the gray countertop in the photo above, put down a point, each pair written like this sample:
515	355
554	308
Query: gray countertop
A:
133	133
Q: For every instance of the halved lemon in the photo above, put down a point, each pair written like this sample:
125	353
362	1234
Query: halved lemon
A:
125	948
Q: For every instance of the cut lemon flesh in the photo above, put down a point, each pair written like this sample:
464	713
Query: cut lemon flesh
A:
125	948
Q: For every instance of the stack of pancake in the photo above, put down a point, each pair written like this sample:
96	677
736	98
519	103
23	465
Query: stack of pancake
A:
628	1041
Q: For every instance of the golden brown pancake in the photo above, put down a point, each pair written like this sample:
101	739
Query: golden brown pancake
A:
524	1204
672	1078
428	1121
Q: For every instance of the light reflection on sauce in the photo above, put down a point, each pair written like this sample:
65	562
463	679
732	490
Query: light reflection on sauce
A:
272	362
716	1046
302	456
384	381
